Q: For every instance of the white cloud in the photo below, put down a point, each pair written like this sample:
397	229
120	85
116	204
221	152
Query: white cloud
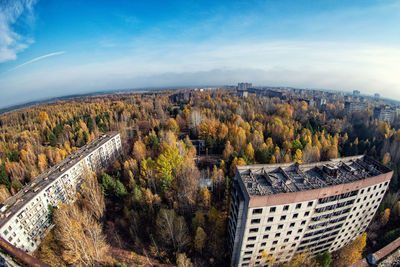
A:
327	65
11	42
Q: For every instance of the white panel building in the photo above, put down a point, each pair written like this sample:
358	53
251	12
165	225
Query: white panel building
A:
284	209
24	216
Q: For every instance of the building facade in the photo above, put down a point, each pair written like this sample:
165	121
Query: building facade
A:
385	113
244	86
359	107
279	210
24	217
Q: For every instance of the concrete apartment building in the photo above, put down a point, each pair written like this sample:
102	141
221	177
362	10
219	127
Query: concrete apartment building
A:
244	86
284	209
24	216
385	113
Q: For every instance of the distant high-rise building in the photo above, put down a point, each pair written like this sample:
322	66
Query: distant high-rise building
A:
279	210
377	96
356	92
244	86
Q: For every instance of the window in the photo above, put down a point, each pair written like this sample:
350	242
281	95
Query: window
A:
257	211
250	246
303	222
309	204
280	226
272	249
277	234
286	240
295	215
246	259
251	238
300	230
273	209
298	206
254	221
283	247
265	236
289	232
362	191
293	245
306	213
248	252
253	230
286	207
283	217
296	238
268	228
263	244
292	225
275	242
270	219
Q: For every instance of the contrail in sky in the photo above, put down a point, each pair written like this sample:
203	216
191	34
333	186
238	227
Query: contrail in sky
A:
38	58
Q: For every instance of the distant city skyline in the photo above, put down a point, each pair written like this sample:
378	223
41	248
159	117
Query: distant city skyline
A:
50	49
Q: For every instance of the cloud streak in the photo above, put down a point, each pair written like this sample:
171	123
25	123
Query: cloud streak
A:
37	59
11	12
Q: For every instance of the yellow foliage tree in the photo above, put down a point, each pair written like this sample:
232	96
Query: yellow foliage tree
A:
297	156
173	126
301	259
205	198
386	158
351	253
200	239
249	152
267	257
385	215
139	150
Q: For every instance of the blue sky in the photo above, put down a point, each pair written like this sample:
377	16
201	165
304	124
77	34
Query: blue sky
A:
52	48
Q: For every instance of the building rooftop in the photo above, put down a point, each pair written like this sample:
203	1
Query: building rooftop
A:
30	190
269	179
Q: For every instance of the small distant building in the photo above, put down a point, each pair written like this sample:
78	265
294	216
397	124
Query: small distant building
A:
273	93
181	97
242	93
322	102
385	113
244	86
351	107
206	183
356	92
200	145
377	96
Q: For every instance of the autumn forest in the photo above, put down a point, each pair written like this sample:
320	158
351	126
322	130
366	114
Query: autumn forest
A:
147	207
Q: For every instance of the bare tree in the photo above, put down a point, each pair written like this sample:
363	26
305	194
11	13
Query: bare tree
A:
172	229
92	195
80	236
